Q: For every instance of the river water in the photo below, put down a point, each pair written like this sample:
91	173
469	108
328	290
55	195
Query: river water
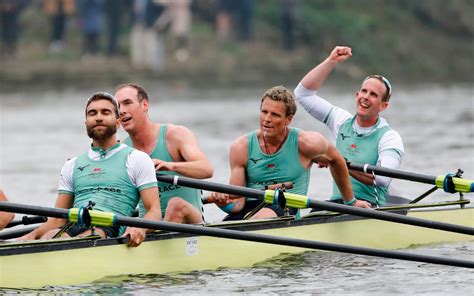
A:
39	131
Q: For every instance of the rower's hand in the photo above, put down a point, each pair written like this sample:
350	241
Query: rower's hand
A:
220	199
340	53
161	165
362	204
137	236
26	237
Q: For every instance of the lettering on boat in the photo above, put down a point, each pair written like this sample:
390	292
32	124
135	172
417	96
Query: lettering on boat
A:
191	246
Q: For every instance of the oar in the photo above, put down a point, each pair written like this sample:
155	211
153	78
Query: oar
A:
110	219
9	233
27	220
301	202
443	182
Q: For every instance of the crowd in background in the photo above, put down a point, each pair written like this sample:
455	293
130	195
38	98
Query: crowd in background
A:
102	21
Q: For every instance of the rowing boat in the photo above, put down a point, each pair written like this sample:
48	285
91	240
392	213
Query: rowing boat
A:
234	244
84	260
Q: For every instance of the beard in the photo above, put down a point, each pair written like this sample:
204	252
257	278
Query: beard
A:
101	134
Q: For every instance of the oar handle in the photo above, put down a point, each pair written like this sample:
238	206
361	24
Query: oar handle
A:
27	220
460	184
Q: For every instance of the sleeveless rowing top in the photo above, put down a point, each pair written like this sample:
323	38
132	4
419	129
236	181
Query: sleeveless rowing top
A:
283	166
361	148
167	191
106	183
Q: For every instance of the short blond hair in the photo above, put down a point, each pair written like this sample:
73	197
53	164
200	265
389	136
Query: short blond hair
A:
282	94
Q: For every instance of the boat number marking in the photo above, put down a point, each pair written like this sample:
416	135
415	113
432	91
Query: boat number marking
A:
191	246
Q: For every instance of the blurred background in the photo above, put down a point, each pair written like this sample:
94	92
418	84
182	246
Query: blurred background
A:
206	63
56	43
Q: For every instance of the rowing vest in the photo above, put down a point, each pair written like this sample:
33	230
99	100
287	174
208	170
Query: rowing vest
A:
106	183
283	166
167	191
359	148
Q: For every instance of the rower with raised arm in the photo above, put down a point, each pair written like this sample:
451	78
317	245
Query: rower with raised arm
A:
110	176
277	153
365	137
174	150
5	217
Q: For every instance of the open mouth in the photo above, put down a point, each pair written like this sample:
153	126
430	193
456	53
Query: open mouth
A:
125	119
364	105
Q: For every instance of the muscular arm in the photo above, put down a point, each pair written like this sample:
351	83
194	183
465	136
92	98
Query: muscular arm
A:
315	148
64	201
151	202
5	217
238	163
190	161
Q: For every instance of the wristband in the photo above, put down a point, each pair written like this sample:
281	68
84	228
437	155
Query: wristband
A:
351	202
228	208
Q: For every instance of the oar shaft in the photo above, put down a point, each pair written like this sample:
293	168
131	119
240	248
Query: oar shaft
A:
391	217
211	186
306	202
294	242
33	210
392	173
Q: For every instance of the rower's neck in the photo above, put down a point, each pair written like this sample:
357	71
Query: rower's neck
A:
366	122
105	144
145	137
272	145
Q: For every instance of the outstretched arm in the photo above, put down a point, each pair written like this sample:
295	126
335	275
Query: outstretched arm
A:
315	78
190	161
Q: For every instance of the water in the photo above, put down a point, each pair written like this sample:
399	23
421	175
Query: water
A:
40	131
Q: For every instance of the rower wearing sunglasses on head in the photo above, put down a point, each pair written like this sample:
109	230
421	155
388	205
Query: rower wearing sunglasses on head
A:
365	137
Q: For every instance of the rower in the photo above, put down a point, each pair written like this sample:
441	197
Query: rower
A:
362	138
174	150
277	153
111	175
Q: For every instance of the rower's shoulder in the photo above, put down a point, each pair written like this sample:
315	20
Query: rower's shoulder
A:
239	147
176	128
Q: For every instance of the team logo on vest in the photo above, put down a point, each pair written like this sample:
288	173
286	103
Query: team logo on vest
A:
81	168
344	137
352	149
255	160
96	173
271	167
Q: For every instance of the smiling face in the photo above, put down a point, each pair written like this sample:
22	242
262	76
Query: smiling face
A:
273	119
369	101
132	111
101	121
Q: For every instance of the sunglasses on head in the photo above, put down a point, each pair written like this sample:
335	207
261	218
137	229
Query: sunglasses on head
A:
385	81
